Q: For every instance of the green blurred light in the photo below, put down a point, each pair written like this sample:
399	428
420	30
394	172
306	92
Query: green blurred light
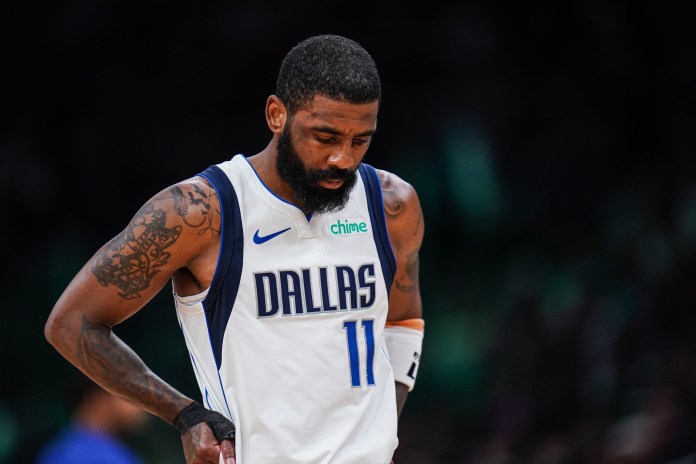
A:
8	434
471	176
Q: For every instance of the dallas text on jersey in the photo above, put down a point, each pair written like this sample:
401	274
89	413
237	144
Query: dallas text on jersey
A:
290	292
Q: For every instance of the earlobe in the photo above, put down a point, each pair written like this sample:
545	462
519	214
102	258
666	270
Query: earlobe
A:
275	114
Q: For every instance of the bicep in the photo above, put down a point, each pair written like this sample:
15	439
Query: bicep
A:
129	270
125	273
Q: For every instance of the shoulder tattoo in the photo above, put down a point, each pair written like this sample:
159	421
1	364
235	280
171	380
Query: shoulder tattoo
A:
194	207
393	207
130	260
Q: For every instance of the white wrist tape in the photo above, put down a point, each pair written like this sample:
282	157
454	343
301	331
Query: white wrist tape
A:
404	344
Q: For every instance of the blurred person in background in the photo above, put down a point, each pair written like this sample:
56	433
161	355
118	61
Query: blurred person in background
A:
98	423
295	273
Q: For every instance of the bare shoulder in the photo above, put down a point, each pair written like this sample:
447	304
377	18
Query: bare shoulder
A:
400	198
197	204
189	205
402	208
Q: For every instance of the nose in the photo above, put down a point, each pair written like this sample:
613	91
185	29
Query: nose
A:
342	159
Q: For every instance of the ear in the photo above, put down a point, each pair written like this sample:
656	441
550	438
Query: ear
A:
276	114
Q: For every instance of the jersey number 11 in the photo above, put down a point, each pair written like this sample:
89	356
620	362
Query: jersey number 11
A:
354	357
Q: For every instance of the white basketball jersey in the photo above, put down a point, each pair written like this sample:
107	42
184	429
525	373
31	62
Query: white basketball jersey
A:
288	341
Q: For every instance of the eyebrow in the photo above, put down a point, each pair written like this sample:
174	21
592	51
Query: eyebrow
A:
332	131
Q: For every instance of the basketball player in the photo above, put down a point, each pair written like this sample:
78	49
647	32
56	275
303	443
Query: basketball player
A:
295	278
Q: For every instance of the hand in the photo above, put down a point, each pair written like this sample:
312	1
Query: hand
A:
201	446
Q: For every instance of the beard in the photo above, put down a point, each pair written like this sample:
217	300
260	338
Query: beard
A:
304	182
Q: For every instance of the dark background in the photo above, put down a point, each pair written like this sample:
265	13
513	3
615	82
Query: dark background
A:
553	150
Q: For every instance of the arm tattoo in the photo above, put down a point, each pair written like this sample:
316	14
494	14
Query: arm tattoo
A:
92	347
393	208
130	261
201	201
105	357
410	283
405	287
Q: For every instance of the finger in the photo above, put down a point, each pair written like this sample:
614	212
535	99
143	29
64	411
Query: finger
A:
227	452
200	445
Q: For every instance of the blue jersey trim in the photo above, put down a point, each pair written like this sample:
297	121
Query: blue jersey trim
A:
223	290
308	216
375	205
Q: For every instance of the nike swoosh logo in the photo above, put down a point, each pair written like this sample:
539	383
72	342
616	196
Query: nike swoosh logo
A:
258	239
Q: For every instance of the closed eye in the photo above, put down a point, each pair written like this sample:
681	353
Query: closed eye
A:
326	140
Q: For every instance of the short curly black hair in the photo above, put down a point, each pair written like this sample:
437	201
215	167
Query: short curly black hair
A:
329	65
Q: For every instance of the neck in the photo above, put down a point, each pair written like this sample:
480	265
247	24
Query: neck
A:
264	163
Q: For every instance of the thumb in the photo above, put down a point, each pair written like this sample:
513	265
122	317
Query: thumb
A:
227	452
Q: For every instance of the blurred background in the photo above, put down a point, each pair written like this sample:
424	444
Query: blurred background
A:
553	150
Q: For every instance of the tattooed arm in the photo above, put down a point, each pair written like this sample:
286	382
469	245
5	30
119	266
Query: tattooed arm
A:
405	228
174	235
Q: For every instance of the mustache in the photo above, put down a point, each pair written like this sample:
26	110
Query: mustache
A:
331	173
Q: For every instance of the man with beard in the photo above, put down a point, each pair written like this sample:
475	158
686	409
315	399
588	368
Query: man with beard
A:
295	275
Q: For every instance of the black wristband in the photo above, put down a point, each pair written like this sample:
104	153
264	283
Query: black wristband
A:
195	413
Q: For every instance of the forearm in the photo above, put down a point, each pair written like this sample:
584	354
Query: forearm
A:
401	395
107	360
